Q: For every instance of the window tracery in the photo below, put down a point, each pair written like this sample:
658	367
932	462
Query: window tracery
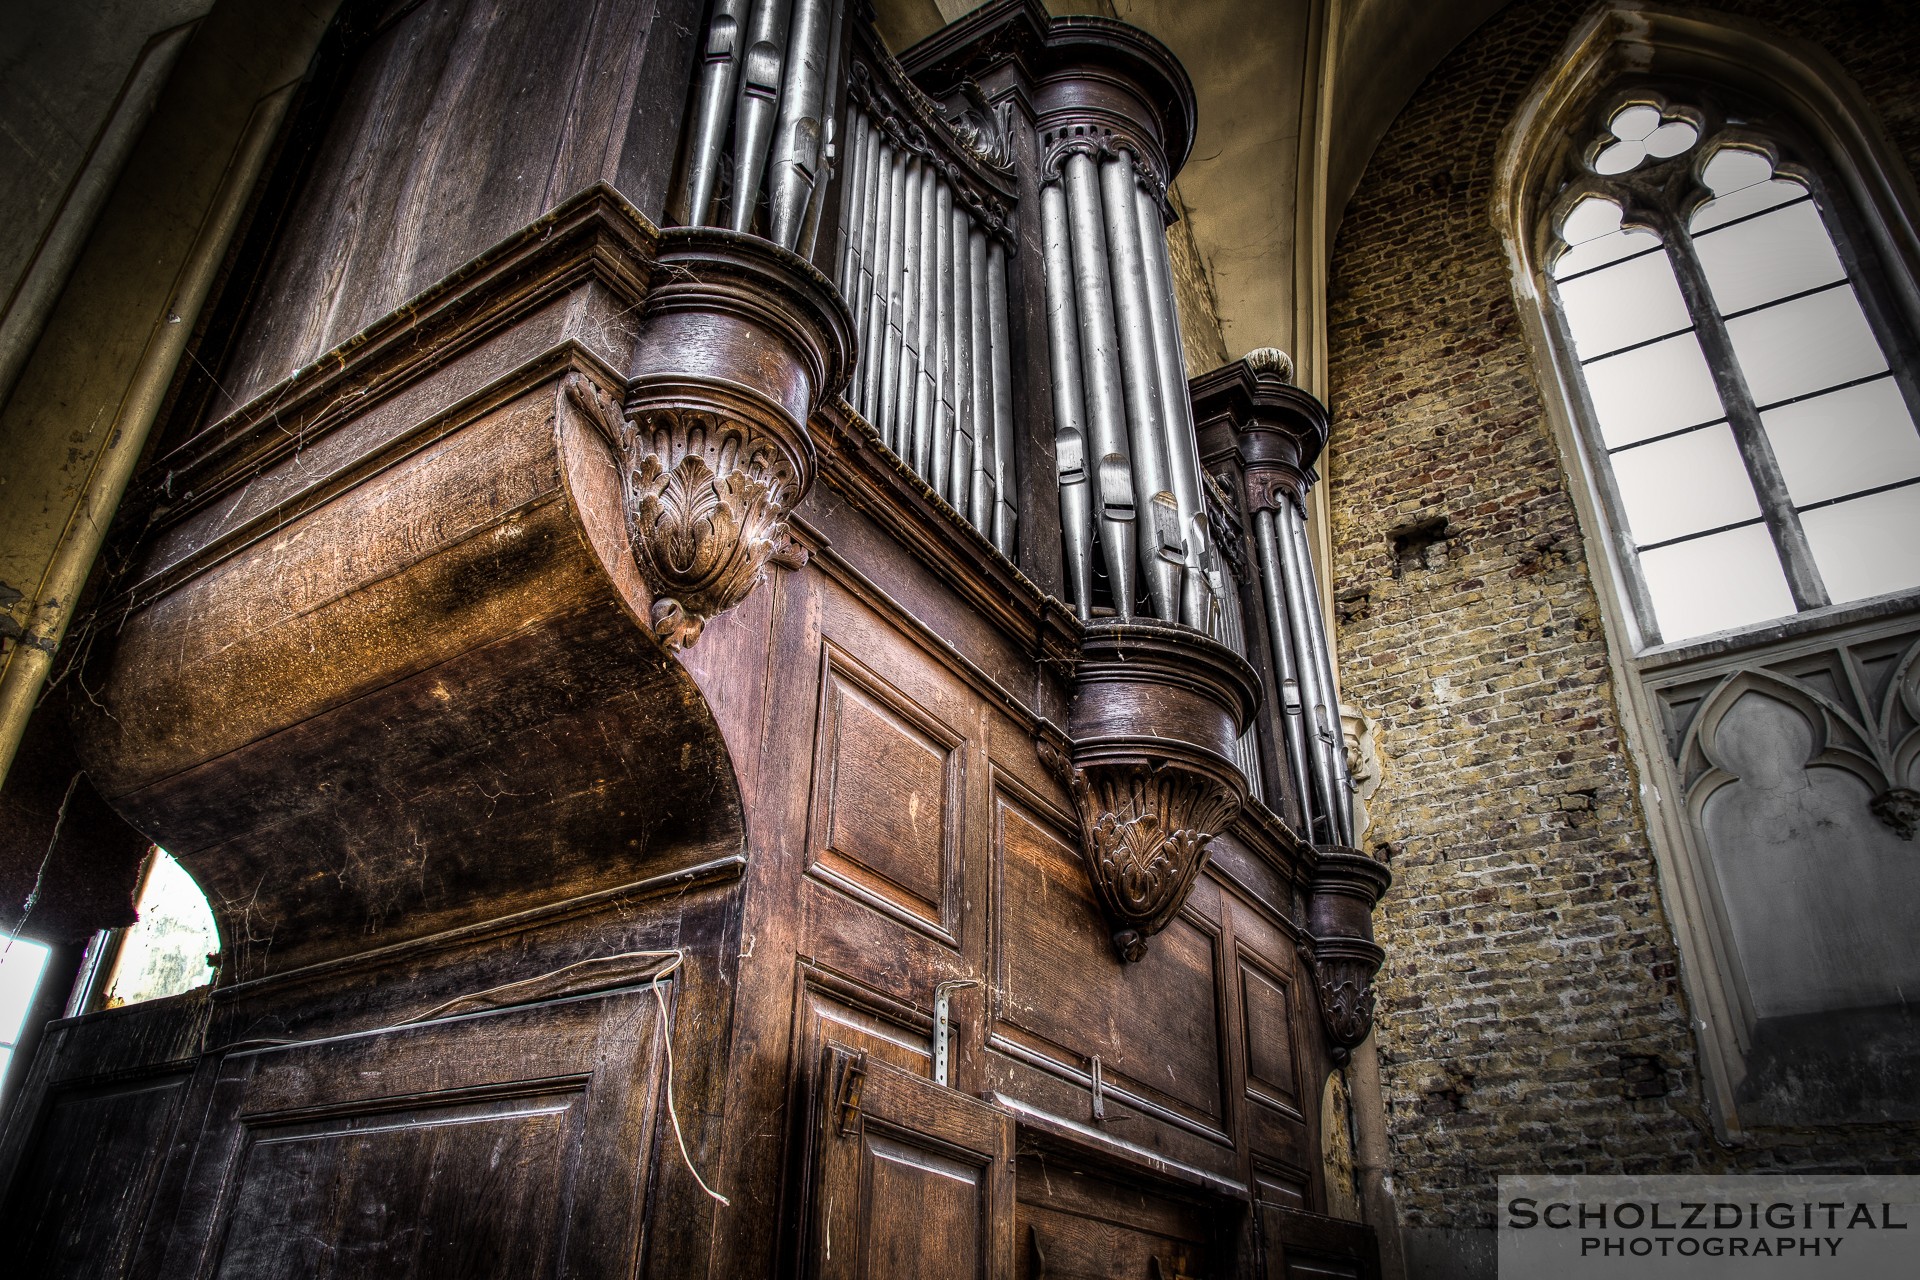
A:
1734	373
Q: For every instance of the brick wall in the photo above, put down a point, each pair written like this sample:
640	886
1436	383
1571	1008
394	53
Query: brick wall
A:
1531	1016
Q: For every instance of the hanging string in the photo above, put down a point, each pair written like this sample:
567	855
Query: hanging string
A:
673	1111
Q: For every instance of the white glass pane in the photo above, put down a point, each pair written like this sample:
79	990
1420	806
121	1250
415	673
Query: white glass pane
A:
1602	250
1845	441
1671	138
1773	255
1592	217
1652	390
165	953
1624	304
1635	122
1725	580
1620	157
1733	168
1684	484
1869	546
20	968
1738	204
1805	345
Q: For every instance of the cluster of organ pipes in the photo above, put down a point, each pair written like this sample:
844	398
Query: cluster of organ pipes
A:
770	74
1303	660
923	265
927	284
1128	467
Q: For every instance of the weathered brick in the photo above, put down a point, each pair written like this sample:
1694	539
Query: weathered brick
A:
1531	1017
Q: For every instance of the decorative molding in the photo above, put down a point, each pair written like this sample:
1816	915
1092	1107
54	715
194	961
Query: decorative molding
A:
1860	696
985	130
913	129
707	498
1144	830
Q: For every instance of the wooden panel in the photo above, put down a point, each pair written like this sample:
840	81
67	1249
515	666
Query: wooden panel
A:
513	1143
887	784
79	1196
1267	1006
913	1181
1155	1024
1309	1246
1074	1225
477	1188
455	129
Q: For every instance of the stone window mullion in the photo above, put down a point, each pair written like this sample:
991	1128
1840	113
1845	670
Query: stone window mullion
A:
1743	416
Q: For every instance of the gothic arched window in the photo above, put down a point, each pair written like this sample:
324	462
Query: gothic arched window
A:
1741	381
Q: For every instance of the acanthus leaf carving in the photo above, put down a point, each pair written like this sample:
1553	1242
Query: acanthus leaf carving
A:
707	495
1144	831
985	130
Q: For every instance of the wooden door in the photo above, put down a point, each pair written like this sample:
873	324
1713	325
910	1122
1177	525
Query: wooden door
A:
911	1179
510	1144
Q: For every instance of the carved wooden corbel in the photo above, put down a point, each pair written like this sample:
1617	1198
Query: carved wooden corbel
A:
1343	955
707	498
740	343
1148	760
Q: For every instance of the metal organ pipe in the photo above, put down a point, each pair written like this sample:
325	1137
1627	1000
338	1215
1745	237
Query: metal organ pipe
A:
711	111
925	288
757	105
890	299
1162	553
1106	404
873	340
1069	402
980	505
1280	630
1005	514
854	176
800	134
1183	453
1341	813
1316	701
940	463
961	477
907	298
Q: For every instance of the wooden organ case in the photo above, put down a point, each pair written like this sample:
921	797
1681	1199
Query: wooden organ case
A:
738	714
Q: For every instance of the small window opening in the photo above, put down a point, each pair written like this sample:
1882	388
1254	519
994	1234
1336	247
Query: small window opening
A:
21	964
172	948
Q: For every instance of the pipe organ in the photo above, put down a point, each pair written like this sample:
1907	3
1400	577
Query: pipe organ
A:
742	685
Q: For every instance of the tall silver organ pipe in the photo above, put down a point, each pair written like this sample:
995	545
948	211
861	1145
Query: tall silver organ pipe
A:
756	105
712	108
767	81
1163	554
1183	457
999	350
1320	709
1069	401
1280	630
1100	368
800	132
1318	643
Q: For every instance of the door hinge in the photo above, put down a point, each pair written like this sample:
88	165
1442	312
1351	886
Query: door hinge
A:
849	1070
